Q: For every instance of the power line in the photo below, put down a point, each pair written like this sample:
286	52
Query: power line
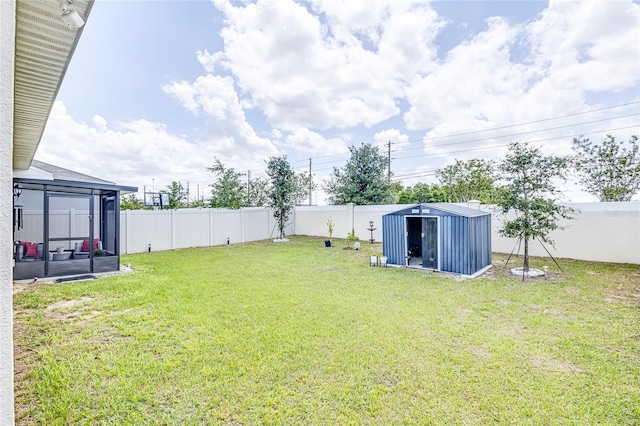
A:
522	124
524	133
476	149
507	144
500	128
417	174
260	172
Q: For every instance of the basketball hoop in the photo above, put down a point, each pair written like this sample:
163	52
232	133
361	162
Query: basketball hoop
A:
156	199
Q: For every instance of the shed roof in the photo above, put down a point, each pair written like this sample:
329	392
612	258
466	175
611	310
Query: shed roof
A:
455	209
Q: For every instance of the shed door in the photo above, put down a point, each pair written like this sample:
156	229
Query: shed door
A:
430	242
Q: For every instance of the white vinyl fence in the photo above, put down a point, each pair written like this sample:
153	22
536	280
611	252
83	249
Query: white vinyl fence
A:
604	232
183	228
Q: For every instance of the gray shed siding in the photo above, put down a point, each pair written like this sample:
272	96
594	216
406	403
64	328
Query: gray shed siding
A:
465	241
393	239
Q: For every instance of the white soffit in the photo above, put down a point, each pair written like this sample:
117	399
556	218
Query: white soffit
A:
43	50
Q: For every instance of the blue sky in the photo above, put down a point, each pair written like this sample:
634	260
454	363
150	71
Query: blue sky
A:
157	89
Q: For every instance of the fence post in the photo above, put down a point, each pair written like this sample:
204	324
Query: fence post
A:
173	229
127	237
210	228
242	225
350	217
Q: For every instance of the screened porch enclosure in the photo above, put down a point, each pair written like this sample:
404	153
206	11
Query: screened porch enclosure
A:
65	229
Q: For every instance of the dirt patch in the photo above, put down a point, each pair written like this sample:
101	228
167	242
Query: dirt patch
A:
547	363
555	313
389	380
480	352
62	310
69	303
624	288
513	330
33	285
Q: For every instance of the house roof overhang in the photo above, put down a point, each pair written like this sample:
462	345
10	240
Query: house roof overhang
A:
44	46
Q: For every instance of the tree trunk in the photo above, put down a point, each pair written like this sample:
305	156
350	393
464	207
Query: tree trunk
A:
526	254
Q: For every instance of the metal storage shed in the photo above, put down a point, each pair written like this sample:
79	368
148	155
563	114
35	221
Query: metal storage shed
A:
438	236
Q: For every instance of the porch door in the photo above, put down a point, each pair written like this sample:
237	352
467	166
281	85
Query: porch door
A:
109	224
430	242
69	221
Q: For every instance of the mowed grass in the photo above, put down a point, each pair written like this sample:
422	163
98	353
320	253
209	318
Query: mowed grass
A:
297	333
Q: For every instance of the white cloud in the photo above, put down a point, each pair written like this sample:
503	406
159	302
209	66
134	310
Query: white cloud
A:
510	74
307	141
208	60
135	153
327	65
341	67
312	77
398	139
215	98
588	46
473	83
100	123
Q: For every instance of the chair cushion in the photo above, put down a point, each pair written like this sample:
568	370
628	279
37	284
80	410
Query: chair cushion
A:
85	244
32	250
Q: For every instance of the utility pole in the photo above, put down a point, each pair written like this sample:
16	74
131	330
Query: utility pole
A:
248	187
310	183
188	194
389	165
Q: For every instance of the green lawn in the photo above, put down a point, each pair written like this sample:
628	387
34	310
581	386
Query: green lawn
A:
297	333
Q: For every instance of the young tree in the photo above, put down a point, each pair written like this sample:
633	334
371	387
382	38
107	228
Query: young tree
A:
406	196
282	190
426	193
131	202
362	181
609	171
257	196
469	180
198	203
228	191
304	184
178	195
422	193
532	194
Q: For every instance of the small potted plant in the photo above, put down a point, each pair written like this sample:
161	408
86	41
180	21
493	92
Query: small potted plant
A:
383	260
373	259
351	238
330	225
